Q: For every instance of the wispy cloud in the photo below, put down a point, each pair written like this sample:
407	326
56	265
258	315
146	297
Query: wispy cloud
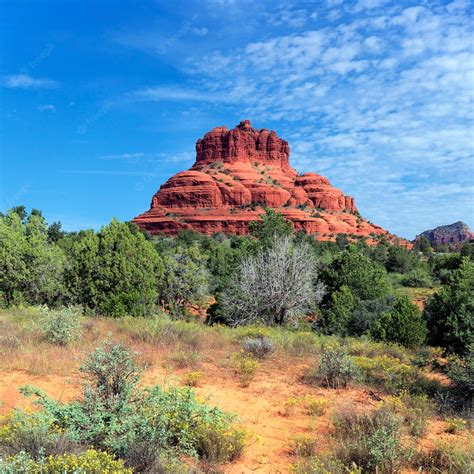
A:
382	103
175	93
47	108
123	156
25	81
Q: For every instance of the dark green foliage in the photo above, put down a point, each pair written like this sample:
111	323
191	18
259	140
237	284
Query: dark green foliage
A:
403	324
54	232
461	373
114	272
443	265
337	317
31	268
416	278
467	250
272	223
185	279
365	318
422	244
400	259
450	312
362	276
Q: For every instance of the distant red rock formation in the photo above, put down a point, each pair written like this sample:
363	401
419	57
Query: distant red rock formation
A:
452	234
237	174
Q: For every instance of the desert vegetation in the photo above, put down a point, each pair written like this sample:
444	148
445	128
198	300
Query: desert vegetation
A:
149	354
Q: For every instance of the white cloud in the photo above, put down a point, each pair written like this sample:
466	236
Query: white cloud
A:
47	108
25	81
172	93
123	156
200	31
389	120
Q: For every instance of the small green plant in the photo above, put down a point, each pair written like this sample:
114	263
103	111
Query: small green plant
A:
62	326
454	425
259	347
335	369
316	406
323	464
304	446
446	457
90	461
370	440
289	406
192	379
413	409
219	445
245	367
388	373
182	359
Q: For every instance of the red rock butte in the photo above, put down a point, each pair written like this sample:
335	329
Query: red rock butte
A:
237	174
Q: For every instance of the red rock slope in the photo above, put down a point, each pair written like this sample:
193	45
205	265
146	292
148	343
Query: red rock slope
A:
236	175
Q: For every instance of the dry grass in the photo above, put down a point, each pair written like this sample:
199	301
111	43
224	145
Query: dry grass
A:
169	350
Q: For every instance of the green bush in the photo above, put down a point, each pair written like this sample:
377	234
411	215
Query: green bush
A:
403	324
114	272
323	465
417	278
33	433
450	311
387	373
372	440
62	326
460	370
335	369
115	415
366	279
447	458
88	462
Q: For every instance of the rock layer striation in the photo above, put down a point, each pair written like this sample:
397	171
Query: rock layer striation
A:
237	174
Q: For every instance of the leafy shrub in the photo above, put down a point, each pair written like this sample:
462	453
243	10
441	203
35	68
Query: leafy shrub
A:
387	373
449	312
289	406
413	409
33	433
447	458
417	278
454	425
90	462
245	367
191	379
316	406
117	416
62	326
219	445
370	440
366	279
461	372
335	369
258	347
302	445
323	465
403	324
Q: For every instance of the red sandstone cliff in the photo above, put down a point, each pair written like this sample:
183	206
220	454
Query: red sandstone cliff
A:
236	175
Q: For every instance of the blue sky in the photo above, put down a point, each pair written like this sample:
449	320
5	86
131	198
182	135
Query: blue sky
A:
102	101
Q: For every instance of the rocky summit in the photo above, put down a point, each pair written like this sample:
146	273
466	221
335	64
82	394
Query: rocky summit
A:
456	233
240	172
